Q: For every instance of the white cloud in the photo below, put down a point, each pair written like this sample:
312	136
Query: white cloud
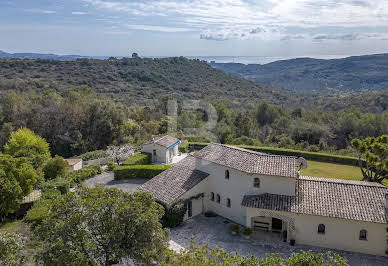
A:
78	13
156	28
40	11
264	19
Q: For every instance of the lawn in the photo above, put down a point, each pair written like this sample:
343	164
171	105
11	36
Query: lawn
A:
334	170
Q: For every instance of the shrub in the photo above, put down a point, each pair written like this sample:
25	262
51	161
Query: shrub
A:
139	171
84	173
184	147
234	228
139	159
174	215
41	208
314	156
60	184
92	155
111	166
55	167
247	231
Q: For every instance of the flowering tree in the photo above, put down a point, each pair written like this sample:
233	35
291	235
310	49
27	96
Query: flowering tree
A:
118	154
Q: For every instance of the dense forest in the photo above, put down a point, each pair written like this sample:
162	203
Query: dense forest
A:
80	120
136	80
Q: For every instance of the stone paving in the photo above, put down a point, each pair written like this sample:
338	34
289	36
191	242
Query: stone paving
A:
106	179
214	232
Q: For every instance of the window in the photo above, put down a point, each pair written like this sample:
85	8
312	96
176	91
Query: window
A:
190	208
218	198
226	174
154	152
363	234
228	203
321	229
256	182
212	196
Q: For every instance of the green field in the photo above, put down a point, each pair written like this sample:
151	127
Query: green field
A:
333	170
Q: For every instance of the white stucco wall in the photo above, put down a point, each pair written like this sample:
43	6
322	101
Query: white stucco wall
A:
340	234
161	152
77	166
238	185
198	204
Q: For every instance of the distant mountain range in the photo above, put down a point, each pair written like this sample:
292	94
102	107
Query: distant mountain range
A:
351	74
46	56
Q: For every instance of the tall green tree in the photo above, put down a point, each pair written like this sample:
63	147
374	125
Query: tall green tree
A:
101	227
24	143
55	167
17	178
373	157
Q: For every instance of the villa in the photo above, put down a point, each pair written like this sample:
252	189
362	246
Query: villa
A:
266	193
163	149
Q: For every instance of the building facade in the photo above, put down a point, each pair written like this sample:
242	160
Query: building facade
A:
266	192
163	149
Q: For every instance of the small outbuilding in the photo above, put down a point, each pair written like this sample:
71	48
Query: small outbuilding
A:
163	149
74	164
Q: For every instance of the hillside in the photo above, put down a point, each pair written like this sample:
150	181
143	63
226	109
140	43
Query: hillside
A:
136	80
352	74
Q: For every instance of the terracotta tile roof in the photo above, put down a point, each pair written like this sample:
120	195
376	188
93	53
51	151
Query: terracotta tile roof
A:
165	141
169	185
355	200
249	161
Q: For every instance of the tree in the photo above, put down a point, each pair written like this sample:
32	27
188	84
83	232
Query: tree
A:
202	255
118	154
17	179
101	227
373	157
55	167
24	143
11	246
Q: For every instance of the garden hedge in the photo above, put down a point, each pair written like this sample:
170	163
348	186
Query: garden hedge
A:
60	184
92	155
84	173
138	171
139	159
314	156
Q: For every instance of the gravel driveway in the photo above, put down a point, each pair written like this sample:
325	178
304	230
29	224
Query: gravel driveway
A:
215	233
106	179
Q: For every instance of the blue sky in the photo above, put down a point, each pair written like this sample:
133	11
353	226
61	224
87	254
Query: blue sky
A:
196	27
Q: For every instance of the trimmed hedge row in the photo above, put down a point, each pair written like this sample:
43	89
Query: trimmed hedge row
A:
138	171
314	156
84	173
139	159
92	155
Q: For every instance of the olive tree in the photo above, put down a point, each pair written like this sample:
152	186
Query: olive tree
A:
373	157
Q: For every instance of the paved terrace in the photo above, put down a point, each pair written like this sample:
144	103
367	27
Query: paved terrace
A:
214	231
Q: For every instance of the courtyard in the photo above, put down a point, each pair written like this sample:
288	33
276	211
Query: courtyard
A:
214	231
106	180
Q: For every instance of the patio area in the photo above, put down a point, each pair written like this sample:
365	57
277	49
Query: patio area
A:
214	231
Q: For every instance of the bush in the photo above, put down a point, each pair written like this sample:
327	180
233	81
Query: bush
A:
184	147
60	184
314	156
41	208
84	173
92	155
111	166
138	171
234	228
174	215
247	231
55	167
139	159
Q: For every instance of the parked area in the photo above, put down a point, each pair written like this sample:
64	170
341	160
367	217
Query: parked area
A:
214	231
106	179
